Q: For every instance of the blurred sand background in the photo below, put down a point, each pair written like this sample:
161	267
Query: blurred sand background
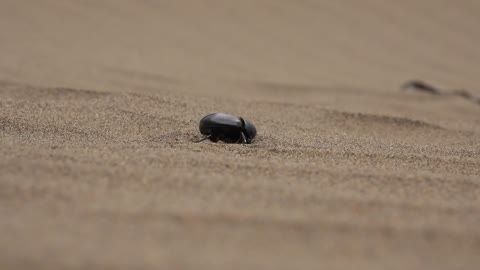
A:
99	108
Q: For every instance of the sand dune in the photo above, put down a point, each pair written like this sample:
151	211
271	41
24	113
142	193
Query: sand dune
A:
99	110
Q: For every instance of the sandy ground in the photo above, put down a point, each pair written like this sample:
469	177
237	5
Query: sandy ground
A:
99	110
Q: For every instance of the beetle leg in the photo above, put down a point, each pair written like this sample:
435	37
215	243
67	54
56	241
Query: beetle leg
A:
243	138
203	139
243	135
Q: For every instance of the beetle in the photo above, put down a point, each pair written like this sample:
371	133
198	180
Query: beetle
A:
227	128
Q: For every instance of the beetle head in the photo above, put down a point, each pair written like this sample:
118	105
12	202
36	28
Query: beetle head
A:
248	130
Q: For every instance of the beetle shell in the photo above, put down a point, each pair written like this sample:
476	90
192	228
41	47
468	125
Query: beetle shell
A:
219	121
227	128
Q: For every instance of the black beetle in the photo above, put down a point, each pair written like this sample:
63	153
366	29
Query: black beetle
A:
227	128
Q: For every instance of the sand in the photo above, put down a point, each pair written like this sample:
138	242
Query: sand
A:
99	109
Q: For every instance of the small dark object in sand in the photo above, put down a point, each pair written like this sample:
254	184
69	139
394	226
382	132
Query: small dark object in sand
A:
420	86
227	128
